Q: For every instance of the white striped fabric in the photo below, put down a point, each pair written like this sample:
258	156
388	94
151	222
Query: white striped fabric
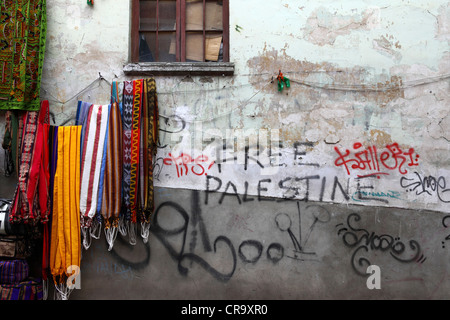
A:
91	160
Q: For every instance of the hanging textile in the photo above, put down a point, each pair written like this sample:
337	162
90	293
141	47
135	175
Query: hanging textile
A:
132	101
117	93
111	202
95	126
65	242
30	202
150	128
52	159
9	143
23	24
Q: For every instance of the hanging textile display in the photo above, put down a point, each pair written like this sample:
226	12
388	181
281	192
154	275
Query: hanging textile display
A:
94	127
131	114
150	128
65	242
22	49
31	201
111	202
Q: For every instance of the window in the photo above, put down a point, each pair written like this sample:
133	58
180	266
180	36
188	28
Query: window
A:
180	33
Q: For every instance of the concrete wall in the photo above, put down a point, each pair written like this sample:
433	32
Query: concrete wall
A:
361	134
266	249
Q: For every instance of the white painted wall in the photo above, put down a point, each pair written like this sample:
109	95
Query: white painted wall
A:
340	58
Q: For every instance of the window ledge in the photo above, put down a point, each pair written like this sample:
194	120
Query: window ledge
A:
180	68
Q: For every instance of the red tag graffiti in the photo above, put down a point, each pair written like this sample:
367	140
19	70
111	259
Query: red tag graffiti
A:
184	161
369	159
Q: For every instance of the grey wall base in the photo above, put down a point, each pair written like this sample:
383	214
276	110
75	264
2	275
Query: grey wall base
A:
271	249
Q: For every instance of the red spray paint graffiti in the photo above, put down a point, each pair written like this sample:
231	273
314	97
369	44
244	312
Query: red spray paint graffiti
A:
184	162
370	159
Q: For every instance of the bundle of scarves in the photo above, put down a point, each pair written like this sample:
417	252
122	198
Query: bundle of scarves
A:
118	147
71	179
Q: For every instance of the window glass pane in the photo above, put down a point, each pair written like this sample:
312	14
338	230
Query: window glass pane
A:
213	47
167	44
147	19
194	15
194	46
167	15
214	15
166	47
147	42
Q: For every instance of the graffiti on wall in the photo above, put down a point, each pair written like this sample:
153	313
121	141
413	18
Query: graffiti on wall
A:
374	162
427	185
362	242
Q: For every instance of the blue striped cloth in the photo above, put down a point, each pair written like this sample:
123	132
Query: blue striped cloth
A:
13	271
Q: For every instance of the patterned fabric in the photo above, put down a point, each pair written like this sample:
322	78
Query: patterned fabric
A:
150	128
31	196
135	148
103	165
10	142
13	271
91	160
112	183
127	118
26	290
132	101
117	93
65	242
22	47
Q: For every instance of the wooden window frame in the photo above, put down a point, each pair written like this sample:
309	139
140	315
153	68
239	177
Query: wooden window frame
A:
224	67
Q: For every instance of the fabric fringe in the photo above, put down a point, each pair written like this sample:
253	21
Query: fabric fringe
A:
96	228
62	291
145	231
122	226
44	289
87	239
132	227
111	234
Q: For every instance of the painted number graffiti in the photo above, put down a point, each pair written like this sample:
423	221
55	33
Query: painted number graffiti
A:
369	159
184	161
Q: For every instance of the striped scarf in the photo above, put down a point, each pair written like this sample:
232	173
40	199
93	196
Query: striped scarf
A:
111	202
26	290
95	127
31	201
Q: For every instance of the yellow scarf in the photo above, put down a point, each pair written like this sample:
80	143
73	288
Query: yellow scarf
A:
65	246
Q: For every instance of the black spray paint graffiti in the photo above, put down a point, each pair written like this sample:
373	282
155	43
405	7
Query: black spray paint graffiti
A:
428	185
284	223
363	241
444	223
291	191
180	255
249	251
170	124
